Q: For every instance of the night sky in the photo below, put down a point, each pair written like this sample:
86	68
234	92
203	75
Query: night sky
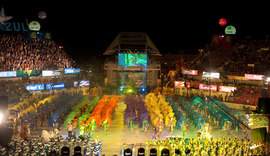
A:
89	28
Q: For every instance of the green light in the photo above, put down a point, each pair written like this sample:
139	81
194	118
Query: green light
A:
130	90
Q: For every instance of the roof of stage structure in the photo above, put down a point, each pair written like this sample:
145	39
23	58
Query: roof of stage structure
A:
132	41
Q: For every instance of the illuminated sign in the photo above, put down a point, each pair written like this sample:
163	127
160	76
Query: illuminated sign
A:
35	87
34	25
208	87
76	84
253	77
84	83
211	75
226	88
50	72
55	86
230	30
8	74
179	83
13	26
72	70
190	72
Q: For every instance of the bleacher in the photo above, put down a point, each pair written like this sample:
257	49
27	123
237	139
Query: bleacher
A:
248	96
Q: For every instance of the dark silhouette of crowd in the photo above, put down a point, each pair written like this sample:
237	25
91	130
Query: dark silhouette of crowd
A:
247	59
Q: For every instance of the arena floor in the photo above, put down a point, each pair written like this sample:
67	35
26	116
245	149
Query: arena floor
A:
119	134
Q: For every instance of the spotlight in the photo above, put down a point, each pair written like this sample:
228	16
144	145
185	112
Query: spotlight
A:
1	118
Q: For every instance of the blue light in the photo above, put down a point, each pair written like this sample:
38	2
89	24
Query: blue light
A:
143	89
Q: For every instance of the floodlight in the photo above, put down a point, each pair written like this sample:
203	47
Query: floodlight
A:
1	117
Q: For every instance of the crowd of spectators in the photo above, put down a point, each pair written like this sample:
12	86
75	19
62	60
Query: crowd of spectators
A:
248	59
19	53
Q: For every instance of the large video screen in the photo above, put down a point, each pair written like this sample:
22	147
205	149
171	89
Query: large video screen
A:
8	74
55	86
84	83
132	59
35	87
127	78
50	73
72	70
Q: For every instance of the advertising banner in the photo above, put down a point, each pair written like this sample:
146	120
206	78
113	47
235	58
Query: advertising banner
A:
190	72
230	30
210	75
194	85
28	73
35	87
179	84
253	77
132	59
34	25
32	35
8	74
226	88
76	84
50	73
127	78
236	77
55	86
72	70
208	87
48	36
84	83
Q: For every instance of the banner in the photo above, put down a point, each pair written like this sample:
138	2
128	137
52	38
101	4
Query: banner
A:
179	84
55	86
211	75
50	73
253	77
194	84
236	77
226	88
33	35
35	87
72	70
28	73
208	87
76	84
190	72
127	78
48	36
84	83
8	74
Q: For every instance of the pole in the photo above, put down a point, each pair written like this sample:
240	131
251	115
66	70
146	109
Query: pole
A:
209	87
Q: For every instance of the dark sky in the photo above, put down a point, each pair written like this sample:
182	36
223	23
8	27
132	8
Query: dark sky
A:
87	28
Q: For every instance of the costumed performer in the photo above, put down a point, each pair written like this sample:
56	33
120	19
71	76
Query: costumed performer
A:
70	129
106	126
